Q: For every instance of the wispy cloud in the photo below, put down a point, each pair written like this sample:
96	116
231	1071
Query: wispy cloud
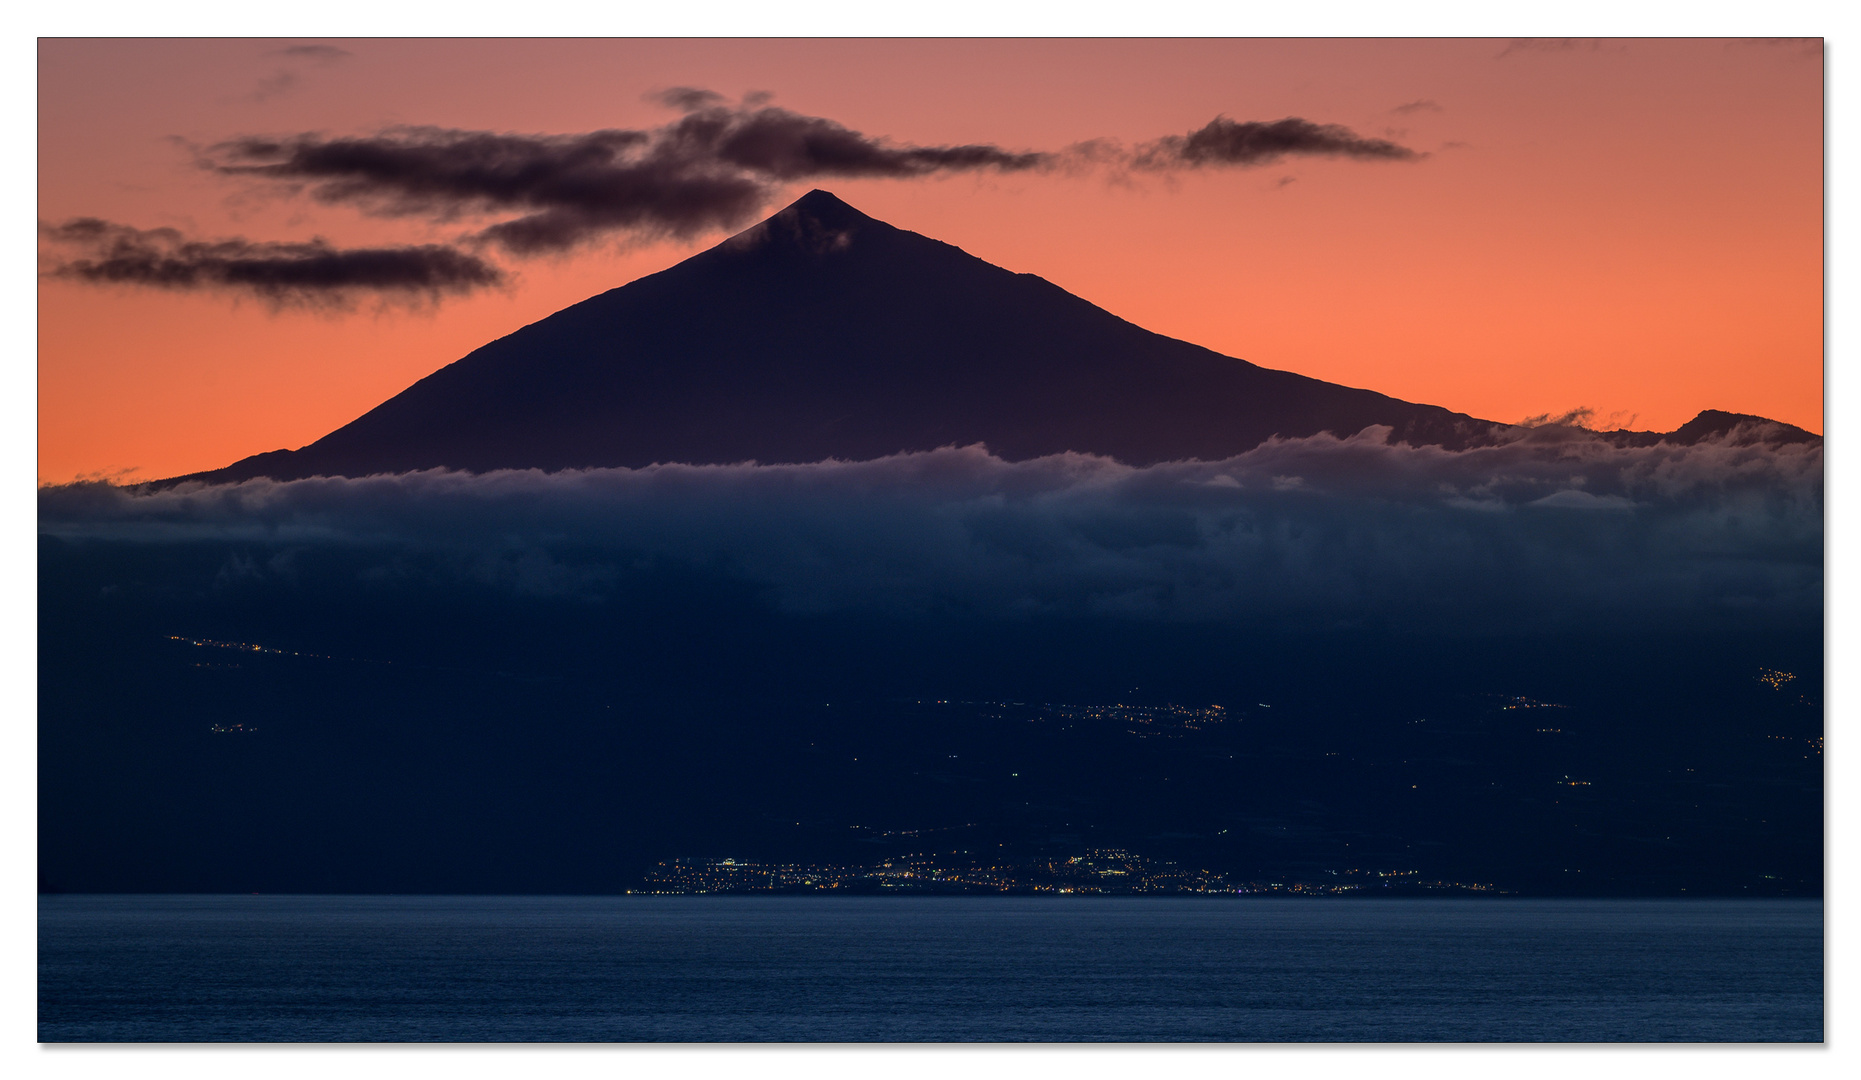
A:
306	273
289	77
713	168
1229	142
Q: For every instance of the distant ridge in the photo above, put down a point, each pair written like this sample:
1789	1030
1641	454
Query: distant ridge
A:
1739	429
824	333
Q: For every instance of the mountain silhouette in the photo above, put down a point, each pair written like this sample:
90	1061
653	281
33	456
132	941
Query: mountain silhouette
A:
824	333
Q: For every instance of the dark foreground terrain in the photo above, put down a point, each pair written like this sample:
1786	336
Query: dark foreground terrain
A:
447	741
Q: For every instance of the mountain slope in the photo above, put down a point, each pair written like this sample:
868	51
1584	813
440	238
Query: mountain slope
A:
821	333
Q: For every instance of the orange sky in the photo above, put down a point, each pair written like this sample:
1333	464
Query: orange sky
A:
1635	227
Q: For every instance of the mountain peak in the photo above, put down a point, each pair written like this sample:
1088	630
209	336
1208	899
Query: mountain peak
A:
1740	429
818	222
825	206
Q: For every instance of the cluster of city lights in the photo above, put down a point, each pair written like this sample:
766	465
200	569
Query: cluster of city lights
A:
1775	679
1097	872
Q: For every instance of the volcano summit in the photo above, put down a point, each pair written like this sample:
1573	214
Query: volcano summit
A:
824	333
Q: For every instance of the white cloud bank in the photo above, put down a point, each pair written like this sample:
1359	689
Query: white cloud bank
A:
1556	529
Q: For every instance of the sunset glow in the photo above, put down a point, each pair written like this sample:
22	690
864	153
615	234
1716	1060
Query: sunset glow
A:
1634	228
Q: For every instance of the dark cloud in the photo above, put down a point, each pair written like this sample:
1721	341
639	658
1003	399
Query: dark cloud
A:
1253	142
785	145
312	272
1553	530
714	167
1424	105
575	187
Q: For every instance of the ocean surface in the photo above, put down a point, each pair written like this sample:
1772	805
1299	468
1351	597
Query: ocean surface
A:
905	969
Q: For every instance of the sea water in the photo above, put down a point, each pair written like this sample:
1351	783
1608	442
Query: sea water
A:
719	968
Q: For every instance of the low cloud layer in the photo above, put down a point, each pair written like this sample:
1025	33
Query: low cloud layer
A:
1555	530
312	272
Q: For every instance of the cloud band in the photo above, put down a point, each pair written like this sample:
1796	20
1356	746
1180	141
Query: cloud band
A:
712	168
1556	529
309	272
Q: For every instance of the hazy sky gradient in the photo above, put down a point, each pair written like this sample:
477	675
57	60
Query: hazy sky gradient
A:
1635	227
